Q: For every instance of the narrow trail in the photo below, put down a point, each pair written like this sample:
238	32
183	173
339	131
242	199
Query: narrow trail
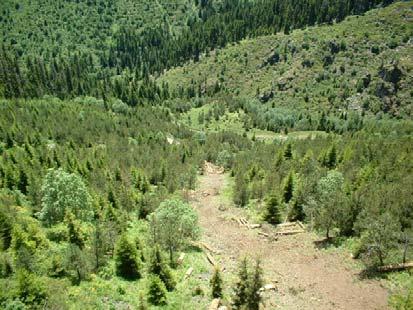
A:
305	276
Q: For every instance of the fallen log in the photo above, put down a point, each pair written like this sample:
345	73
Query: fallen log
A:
287	224
396	267
301	225
243	221
210	259
268	287
207	247
263	234
239	222
290	232
188	273
254	226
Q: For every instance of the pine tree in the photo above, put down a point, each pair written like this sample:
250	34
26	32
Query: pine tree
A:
288	152
288	188
23	181
241	288
127	260
156	291
256	282
158	267
272	212
74	230
216	283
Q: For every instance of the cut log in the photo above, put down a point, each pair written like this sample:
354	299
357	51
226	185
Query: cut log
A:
290	232
210	259
263	234
188	273
396	267
287	224
268	287
301	225
254	226
207	247
214	304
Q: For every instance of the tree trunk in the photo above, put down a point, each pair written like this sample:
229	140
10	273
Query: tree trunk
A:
406	246
171	256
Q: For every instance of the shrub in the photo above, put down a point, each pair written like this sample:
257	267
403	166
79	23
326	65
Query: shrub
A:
156	291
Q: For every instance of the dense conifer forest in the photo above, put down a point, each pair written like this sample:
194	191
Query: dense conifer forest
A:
122	121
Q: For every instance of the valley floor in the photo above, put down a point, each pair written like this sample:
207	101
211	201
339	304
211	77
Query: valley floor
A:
305	276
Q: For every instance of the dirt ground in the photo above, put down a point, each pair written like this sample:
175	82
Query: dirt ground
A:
305	276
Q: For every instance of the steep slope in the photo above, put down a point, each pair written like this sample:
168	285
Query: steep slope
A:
364	63
49	28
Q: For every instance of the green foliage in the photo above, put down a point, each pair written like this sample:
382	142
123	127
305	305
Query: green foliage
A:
288	188
75	234
64	192
255	284
330	93
216	283
380	237
272	210
174	223
241	288
158	267
328	207
6	229
30	289
156	291
224	159
240	194
128	264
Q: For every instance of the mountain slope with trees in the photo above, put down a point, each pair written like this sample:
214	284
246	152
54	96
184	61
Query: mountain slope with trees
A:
363	64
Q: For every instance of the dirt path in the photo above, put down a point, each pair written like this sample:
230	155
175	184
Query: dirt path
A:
305	277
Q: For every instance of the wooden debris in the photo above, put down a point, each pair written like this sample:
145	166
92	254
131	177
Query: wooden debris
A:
269	287
289	232
286	224
254	226
396	267
211	259
301	225
263	234
244	221
239	222
181	259
214	304
188	273
207	247
210	168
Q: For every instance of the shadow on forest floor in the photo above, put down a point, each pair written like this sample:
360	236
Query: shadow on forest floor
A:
327	243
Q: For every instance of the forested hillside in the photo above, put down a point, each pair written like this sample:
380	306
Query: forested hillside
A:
363	64
91	64
150	150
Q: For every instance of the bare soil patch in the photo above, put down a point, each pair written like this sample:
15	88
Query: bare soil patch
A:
305	276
